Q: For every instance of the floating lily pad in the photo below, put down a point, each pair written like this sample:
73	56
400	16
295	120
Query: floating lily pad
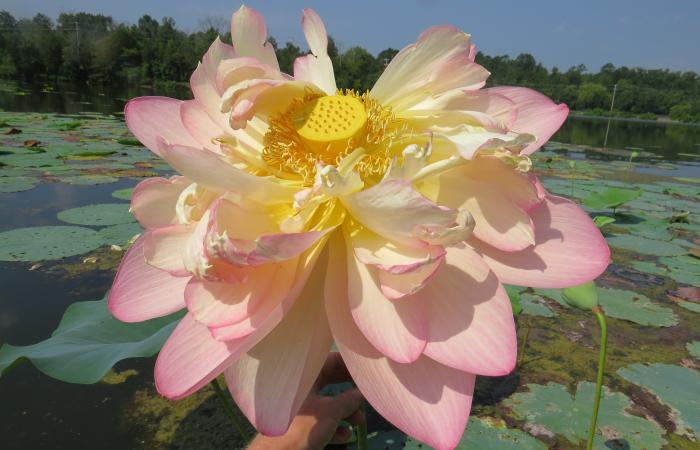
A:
694	349
601	221
551	408
45	243
675	386
88	342
98	215
535	306
690	306
646	246
610	198
17	184
88	180
637	308
491	434
124	194
120	234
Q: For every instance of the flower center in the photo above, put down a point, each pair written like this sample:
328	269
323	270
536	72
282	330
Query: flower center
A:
325	129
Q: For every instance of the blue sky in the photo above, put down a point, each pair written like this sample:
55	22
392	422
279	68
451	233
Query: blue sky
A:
644	33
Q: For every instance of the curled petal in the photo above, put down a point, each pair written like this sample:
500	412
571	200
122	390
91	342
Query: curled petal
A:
249	36
200	125
569	249
536	114
397	329
418	398
151	118
153	201
317	67
270	382
203	81
370	248
399	285
163	248
141	292
470	317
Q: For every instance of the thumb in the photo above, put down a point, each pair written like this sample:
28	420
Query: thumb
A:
345	404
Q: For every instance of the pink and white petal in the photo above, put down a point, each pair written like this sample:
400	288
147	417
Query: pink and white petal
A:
150	118
470	316
217	304
488	108
249	36
203	81
419	397
271	381
537	114
153	201
212	170
191	357
200	125
397	329
569	249
164	248
396	211
316	68
396	286
438	61
370	248
141	292
498	221
279	95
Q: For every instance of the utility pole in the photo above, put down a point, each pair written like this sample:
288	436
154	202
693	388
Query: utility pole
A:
612	105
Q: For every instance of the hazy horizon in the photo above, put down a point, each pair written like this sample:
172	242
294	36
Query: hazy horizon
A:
643	34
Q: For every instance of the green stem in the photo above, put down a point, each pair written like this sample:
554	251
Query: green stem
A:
362	432
228	408
601	369
521	353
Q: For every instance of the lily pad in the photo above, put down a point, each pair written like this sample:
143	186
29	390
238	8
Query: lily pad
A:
491	434
98	215
123	194
45	243
88	180
535	306
17	184
634	307
120	234
551	408
610	198
88	342
675	386
646	246
694	349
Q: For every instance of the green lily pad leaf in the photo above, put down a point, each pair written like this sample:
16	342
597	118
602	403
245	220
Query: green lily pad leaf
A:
601	221
88	342
17	184
584	296
123	194
694	349
45	243
88	180
384	440
646	246
491	434
98	215
690	306
120	234
673	386
610	198
533	305
634	307
552	409
649	267
514	296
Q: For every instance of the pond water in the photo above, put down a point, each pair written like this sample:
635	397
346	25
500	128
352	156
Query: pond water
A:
85	155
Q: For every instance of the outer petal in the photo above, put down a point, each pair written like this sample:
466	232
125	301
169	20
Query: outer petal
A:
470	317
397	329
191	357
200	125
164	248
370	248
212	170
569	249
149	118
425	399
271	381
537	114
141	292
436	63
398	285
396	211
316	68
154	199
249	36
203	81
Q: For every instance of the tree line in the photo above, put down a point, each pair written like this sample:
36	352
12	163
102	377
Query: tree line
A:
94	49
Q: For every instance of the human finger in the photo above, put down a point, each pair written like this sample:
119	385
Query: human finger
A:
333	371
346	403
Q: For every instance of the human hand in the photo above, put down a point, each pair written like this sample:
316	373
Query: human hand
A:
316	424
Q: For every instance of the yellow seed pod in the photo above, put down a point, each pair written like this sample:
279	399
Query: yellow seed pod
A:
330	121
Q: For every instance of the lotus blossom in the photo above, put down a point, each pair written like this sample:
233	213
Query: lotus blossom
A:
384	221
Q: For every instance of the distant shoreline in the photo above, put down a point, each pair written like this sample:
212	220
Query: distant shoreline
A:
663	120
